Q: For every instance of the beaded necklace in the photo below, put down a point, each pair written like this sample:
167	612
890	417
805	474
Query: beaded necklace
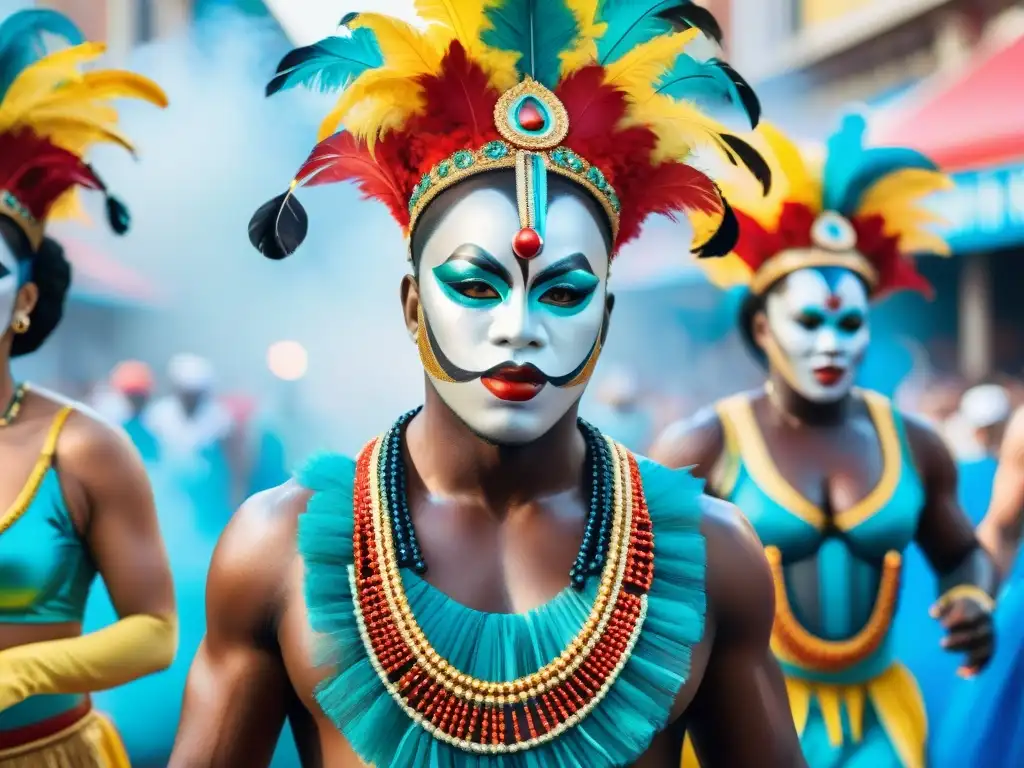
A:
505	716
594	547
14	406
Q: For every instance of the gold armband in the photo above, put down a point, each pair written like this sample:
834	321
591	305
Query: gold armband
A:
967	592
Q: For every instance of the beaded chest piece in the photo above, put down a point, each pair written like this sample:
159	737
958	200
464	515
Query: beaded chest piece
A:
424	680
486	716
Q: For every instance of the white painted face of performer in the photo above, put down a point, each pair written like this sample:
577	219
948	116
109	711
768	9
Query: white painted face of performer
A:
510	344
9	271
817	331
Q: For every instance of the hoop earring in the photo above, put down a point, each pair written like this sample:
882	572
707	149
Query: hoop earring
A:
21	322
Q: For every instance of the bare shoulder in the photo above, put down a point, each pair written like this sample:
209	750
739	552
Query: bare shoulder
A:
1013	438
931	452
249	571
741	594
693	442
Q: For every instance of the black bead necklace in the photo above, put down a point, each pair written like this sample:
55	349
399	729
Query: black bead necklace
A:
593	551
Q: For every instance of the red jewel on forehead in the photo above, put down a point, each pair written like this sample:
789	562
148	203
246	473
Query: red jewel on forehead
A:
527	243
833	302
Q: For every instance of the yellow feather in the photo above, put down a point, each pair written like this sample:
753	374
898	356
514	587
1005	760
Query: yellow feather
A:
406	50
727	271
585	50
461	20
118	84
38	80
77	131
373	86
635	73
908	185
793	174
383	110
679	126
68	207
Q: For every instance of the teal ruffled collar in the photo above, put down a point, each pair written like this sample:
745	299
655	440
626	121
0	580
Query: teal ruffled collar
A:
504	646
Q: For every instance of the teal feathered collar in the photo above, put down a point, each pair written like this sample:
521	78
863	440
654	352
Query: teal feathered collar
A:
497	647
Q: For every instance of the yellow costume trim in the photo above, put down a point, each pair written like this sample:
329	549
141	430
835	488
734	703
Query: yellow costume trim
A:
896	699
793	644
737	416
754	451
127	650
968	592
35	479
782	264
92	741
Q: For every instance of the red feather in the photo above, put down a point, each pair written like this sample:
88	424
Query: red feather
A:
594	108
37	172
459	96
342	158
667	189
896	270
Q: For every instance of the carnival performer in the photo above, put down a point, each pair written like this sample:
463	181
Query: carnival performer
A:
494	582
985	722
836	482
78	502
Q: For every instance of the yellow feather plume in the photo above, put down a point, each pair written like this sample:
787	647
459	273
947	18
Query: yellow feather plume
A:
680	127
68	207
406	50
634	73
382	110
449	20
897	198
727	272
585	50
907	185
795	180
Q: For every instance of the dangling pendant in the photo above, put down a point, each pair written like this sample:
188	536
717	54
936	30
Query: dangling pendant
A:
527	243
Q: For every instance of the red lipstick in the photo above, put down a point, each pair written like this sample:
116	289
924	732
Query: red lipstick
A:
829	375
514	383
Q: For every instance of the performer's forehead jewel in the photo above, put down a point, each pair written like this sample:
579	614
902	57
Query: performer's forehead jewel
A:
602	96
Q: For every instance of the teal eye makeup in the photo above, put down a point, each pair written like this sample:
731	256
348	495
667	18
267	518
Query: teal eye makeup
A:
811	319
470	286
566	294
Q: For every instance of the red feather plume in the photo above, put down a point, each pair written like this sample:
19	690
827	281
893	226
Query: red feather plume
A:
37	172
793	231
342	158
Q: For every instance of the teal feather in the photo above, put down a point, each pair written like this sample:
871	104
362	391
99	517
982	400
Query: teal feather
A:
631	23
330	65
851	168
713	81
23	41
538	30
500	646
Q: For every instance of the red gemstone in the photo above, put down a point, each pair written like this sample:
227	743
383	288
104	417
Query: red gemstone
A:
530	116
833	302
527	243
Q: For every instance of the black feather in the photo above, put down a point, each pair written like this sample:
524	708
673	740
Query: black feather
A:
688	14
118	216
725	238
748	97
348	18
278	228
752	159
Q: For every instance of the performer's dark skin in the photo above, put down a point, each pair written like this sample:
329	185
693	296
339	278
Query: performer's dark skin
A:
500	527
830	453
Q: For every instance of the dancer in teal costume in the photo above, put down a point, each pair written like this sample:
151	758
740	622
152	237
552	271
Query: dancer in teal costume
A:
494	583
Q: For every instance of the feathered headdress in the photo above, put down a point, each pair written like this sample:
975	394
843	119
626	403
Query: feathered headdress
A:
601	92
51	113
862	211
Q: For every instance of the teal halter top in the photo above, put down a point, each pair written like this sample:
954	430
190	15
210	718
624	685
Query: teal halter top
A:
843	557
45	568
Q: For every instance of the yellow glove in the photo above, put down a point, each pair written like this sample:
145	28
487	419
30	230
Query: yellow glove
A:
132	648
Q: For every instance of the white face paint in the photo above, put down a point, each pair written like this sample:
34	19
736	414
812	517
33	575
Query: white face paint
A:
518	337
8	284
817	321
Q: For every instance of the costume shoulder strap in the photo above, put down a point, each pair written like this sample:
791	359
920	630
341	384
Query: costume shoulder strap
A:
53	435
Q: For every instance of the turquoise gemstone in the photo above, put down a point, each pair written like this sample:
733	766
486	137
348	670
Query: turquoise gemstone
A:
496	150
595	177
462	159
444	168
